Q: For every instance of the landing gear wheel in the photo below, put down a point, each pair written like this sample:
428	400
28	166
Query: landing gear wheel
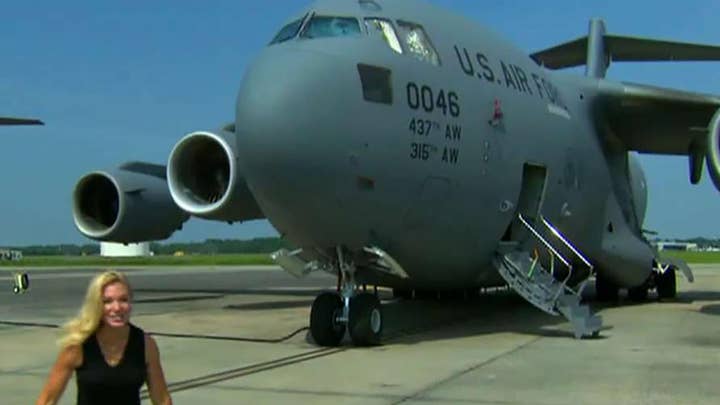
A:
605	290
324	327
638	294
666	283
366	320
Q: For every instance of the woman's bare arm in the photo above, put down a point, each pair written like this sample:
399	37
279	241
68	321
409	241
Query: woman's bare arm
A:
68	360
157	387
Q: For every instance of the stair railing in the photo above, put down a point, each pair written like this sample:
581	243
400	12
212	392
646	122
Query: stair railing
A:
572	248
554	253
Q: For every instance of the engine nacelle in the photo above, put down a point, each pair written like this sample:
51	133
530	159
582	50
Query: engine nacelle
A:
713	150
205	179
128	204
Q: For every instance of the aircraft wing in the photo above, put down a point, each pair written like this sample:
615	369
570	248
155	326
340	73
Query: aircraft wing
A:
651	119
19	121
656	120
626	49
150	169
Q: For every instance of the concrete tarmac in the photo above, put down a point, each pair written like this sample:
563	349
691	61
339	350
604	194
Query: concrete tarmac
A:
239	335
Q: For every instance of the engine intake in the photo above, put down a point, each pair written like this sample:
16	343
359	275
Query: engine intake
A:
205	179
126	206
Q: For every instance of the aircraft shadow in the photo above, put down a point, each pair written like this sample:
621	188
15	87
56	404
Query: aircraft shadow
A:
270	305
416	321
683	297
688	297
711	309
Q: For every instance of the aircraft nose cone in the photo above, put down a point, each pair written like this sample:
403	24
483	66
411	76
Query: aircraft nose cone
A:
282	112
284	102
291	125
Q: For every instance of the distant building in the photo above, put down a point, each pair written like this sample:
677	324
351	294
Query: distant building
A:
670	245
14	255
109	249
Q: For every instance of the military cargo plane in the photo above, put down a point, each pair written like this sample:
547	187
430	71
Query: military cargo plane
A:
397	144
19	121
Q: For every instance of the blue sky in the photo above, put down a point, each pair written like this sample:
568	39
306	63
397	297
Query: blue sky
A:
119	81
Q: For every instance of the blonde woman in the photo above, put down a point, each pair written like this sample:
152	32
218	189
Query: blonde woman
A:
111	357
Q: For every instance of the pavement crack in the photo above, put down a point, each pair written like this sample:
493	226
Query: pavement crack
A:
466	371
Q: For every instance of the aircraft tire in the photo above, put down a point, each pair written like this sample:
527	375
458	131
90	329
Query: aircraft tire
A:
366	320
605	290
323	326
666	284
24	282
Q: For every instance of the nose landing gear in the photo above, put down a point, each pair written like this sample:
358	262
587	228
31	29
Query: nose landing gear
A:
325	325
366	321
21	283
335	312
666	283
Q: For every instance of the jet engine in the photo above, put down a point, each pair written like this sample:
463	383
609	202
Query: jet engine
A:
128	204
713	150
205	179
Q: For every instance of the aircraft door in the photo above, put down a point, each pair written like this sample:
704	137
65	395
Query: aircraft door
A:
529	202
532	191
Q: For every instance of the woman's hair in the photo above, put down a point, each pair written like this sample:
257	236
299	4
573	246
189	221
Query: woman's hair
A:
88	318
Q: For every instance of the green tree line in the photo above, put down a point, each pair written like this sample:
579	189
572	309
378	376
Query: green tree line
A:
209	246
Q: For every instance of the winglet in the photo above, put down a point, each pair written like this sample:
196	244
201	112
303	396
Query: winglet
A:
598	58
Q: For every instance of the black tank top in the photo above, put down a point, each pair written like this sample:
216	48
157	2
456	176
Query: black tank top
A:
100	384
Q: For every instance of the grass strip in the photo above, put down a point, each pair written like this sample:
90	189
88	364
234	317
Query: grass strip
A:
159	260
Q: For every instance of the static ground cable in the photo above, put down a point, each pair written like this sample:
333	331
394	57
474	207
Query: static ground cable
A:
174	335
248	370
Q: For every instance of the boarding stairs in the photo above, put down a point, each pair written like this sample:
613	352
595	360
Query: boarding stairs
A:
528	277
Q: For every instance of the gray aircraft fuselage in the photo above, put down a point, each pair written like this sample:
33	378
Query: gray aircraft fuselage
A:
435	176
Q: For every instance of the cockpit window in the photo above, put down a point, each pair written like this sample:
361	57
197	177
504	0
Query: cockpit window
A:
417	42
385	30
324	27
288	32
